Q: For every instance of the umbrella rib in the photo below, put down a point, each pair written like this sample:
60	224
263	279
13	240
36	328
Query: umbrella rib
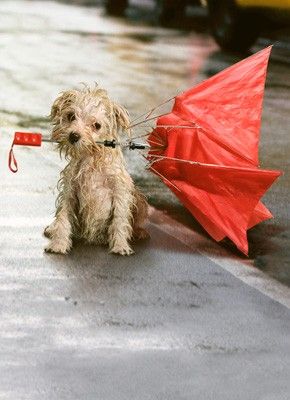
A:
160	158
145	120
141	136
148	113
165	126
180	126
222	144
158	173
163	177
212	135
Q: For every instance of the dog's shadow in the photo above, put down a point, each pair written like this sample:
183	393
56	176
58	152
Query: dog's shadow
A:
93	267
119	290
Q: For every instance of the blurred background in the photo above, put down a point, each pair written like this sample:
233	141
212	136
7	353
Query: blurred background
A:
144	52
235	24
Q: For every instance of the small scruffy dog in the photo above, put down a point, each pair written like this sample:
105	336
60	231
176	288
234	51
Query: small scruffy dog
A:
97	198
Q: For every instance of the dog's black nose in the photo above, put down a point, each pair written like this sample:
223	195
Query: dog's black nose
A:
73	137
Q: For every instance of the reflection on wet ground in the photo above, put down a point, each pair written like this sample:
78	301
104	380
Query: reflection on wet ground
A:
42	52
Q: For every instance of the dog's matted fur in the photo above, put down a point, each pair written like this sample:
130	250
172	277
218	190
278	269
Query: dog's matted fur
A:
97	198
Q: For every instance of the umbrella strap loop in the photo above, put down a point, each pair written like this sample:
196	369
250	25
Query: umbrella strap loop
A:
12	163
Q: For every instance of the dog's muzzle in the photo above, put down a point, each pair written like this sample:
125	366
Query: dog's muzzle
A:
73	137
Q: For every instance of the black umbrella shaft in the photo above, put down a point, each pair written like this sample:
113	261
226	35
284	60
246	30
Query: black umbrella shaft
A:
113	143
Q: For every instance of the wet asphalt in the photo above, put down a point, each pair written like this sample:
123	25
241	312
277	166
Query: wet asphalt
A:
167	323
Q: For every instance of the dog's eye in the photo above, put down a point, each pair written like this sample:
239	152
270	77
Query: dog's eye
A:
97	126
71	116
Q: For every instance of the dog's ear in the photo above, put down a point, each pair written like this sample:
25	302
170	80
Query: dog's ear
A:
63	101
122	118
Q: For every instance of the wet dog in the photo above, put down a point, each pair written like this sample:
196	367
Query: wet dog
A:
97	199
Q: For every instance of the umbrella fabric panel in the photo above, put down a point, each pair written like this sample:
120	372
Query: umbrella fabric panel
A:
260	214
229	104
192	144
225	196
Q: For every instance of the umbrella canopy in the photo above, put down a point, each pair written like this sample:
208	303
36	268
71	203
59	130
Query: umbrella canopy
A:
208	150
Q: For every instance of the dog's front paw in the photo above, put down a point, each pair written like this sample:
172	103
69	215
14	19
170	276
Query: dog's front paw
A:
47	231
124	250
58	248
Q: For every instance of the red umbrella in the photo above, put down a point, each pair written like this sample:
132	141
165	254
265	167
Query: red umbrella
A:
206	150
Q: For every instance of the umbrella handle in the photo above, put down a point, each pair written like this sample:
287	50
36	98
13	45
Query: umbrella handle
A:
22	139
27	139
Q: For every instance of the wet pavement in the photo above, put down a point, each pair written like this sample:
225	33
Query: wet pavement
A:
169	317
167	323
44	51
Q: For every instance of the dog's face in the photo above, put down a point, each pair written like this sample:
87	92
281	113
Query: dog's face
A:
82	117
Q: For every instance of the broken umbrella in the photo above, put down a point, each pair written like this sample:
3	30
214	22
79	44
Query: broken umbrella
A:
206	150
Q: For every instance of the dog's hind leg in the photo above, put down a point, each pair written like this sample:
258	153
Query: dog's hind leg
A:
140	214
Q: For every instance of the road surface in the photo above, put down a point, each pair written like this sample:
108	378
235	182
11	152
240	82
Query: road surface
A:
184	318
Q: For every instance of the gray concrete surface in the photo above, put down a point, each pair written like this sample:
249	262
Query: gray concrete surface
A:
166	323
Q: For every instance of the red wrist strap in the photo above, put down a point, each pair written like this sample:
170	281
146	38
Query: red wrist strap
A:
22	139
12	163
